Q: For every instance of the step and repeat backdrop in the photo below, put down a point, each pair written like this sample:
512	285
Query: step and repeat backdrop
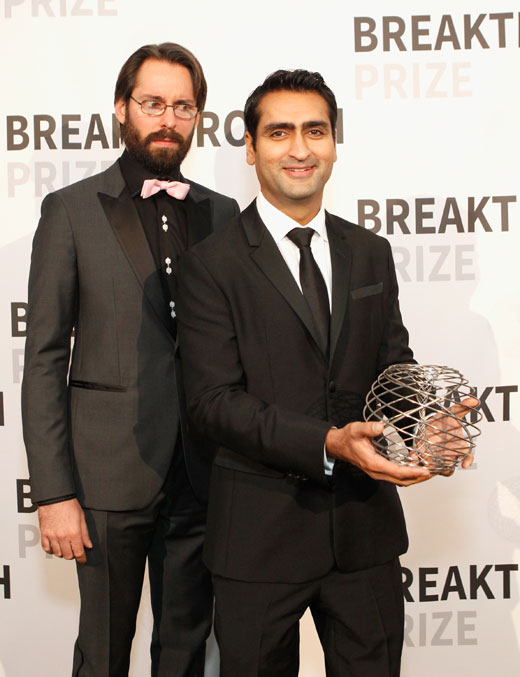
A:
428	147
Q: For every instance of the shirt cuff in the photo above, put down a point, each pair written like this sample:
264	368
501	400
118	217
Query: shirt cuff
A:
328	462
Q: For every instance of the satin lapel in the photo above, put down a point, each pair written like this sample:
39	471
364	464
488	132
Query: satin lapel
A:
124	219
341	262
267	257
198	214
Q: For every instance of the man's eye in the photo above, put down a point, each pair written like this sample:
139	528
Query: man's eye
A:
316	132
278	133
153	105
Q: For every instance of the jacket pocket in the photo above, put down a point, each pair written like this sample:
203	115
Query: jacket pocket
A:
89	385
370	290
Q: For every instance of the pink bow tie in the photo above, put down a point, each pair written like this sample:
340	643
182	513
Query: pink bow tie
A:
174	188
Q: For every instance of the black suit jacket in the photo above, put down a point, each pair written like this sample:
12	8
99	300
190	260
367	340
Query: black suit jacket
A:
267	395
104	428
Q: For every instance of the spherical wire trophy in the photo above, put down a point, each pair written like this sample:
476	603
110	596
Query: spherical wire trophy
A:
425	423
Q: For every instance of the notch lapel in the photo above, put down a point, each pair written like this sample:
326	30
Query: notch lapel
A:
341	262
268	258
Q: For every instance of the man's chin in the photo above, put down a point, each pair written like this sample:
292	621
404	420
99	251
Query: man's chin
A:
161	161
301	194
164	152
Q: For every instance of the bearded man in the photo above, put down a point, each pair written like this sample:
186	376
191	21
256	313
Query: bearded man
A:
115	476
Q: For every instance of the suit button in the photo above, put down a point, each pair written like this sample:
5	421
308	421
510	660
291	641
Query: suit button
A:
332	387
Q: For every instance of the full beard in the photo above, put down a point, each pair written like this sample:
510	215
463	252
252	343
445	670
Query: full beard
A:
161	162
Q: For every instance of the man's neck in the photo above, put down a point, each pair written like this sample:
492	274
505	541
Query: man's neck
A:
171	173
302	212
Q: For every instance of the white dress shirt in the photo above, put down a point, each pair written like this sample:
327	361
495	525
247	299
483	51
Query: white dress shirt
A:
279	224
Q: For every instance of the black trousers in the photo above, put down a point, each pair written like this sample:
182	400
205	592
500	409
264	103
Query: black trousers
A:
359	618
169	534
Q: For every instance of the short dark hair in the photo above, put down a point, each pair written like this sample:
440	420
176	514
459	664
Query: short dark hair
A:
294	81
166	51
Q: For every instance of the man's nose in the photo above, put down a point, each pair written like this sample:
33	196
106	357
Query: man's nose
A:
168	118
299	147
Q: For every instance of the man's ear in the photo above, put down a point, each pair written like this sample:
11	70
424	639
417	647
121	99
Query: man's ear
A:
250	151
120	109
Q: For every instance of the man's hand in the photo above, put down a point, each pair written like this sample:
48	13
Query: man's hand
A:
353	443
64	530
445	438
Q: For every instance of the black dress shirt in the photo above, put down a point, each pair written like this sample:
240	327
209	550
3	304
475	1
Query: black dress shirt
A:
164	222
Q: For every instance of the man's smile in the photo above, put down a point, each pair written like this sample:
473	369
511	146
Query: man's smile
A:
300	172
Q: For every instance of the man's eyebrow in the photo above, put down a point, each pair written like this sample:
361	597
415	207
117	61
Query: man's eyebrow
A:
272	126
315	123
152	96
156	97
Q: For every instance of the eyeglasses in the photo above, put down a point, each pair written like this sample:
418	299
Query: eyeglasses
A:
184	111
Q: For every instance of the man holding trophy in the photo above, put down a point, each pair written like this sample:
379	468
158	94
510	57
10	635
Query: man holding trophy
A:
297	313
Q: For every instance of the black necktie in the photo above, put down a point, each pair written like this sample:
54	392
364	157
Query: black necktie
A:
312	282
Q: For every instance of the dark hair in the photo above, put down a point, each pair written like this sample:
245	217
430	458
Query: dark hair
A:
294	81
166	51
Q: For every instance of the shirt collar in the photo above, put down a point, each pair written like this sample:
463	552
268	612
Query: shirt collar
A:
134	173
279	224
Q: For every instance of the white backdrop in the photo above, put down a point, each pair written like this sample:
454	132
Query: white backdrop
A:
428	156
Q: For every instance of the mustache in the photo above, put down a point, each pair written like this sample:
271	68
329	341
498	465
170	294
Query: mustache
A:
163	134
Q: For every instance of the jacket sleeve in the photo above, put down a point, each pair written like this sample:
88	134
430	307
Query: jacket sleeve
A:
394	347
52	309
219	406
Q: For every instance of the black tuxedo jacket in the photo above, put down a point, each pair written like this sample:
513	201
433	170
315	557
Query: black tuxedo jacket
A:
258	384
106	427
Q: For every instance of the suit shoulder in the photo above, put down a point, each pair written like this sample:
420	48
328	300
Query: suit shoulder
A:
219	244
204	191
91	185
355	232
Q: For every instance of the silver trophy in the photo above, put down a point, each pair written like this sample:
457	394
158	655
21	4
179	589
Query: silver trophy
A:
424	422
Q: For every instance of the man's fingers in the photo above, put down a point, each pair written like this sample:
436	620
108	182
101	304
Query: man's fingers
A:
406	481
468	461
85	536
64	529
409	474
448	472
382	468
359	429
82	558
373	463
409	483
466	405
56	548
66	550
78	552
